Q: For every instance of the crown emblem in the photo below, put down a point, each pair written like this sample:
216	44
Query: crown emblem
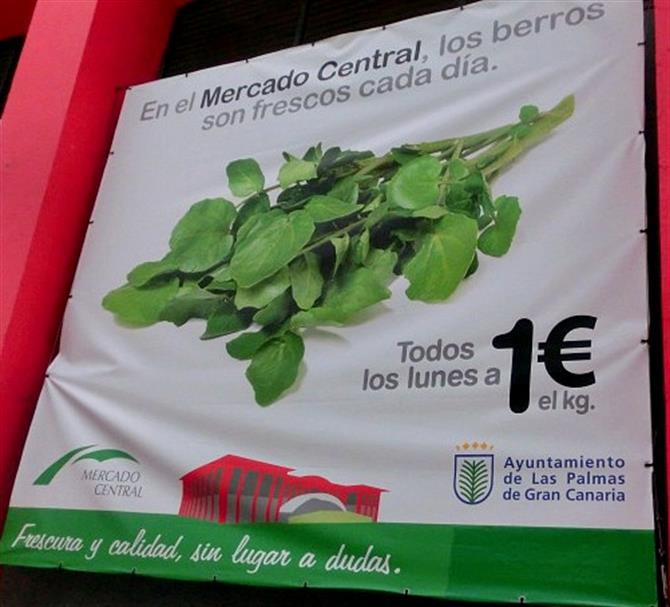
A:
474	446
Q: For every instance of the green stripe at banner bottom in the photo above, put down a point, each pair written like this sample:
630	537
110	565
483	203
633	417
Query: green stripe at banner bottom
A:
477	563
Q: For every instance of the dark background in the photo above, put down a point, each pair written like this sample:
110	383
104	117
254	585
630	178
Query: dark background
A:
22	587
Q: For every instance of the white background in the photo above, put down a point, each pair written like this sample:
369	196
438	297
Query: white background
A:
176	402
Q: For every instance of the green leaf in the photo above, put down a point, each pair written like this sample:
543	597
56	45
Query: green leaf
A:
245	177
416	184
434	211
373	202
274	367
382	262
226	319
314	153
334	158
528	113
297	195
276	311
444	256
404	155
190	302
458	198
219	280
348	295
406	234
143	274
341	246
345	189
202	237
256	204
458	169
497	238
361	247
326	208
254	219
378	214
271	243
306	280
262	293
140	307
246	345
295	170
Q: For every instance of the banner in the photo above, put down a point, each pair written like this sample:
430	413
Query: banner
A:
370	314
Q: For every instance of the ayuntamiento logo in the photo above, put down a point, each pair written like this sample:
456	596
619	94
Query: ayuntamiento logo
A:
473	472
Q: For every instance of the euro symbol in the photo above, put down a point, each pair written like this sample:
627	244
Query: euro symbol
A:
553	356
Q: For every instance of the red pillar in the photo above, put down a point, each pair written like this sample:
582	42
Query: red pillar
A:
54	138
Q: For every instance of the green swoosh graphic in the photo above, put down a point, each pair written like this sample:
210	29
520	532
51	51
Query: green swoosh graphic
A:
47	476
102	455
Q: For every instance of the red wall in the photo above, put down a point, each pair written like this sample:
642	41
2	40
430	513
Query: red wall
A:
78	57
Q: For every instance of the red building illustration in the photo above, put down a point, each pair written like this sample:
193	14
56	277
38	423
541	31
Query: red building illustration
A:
235	489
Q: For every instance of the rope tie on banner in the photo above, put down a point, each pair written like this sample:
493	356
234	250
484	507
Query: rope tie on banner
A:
648	464
128	87
406	592
304	585
522	599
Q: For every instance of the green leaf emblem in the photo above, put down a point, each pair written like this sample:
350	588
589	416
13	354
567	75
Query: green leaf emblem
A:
473	480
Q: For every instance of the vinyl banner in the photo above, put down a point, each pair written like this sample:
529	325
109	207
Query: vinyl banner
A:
369	313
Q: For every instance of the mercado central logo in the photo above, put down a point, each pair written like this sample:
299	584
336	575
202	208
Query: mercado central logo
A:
473	472
80	454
